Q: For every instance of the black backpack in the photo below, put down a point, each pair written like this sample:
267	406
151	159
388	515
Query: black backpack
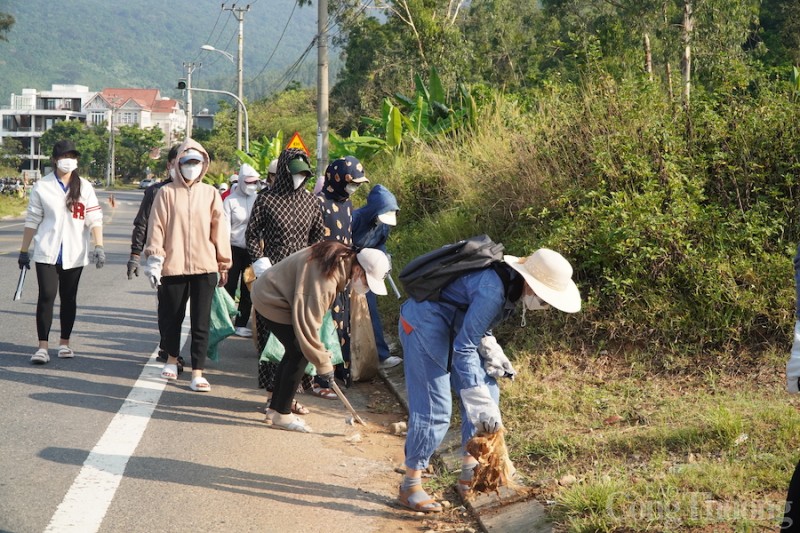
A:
425	277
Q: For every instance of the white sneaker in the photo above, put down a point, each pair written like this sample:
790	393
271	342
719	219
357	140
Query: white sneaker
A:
242	331
391	361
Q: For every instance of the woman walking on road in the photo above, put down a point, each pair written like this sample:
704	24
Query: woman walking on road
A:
188	253
62	211
293	297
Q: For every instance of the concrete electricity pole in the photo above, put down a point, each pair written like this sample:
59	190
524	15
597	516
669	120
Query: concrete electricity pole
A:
322	88
239	12
189	69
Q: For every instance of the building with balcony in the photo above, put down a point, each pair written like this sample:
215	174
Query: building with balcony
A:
34	112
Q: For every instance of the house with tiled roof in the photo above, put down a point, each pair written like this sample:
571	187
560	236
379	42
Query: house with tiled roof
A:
143	107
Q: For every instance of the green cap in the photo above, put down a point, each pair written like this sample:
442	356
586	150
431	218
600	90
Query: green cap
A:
298	165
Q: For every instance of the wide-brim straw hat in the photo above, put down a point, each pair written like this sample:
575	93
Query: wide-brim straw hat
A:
549	274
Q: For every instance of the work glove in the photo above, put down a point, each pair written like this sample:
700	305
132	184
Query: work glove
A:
24	260
495	361
261	265
133	266
327	376
793	366
152	269
481	409
99	257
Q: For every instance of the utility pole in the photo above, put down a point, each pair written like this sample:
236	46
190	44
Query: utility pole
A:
189	66
322	88
239	12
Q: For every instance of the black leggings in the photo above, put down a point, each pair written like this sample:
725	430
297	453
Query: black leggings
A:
290	370
241	260
175	291
53	279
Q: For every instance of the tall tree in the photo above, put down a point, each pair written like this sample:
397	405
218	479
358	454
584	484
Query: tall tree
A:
6	21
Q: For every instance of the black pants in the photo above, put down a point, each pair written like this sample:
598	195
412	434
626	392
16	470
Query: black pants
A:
791	518
53	279
241	260
175	291
290	370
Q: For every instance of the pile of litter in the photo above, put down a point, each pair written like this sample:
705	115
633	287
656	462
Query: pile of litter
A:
494	468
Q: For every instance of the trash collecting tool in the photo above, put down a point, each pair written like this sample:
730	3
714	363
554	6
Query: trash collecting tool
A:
346	403
20	283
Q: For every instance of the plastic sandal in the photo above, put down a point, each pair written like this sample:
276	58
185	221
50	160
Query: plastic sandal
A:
200	385
328	394
170	372
425	506
299	409
295	425
40	357
65	352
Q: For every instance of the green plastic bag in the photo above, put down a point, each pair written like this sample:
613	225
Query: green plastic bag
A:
223	309
274	350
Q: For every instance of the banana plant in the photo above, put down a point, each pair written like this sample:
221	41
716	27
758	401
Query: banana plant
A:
796	83
364	147
262	152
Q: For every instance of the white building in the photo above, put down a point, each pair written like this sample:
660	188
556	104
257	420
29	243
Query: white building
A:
34	112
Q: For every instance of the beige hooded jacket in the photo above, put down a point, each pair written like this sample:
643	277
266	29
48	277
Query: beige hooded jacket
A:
187	225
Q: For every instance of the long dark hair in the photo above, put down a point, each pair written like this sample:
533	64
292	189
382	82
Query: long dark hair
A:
329	253
74	191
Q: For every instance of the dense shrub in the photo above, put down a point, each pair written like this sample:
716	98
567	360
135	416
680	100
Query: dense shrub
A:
681	230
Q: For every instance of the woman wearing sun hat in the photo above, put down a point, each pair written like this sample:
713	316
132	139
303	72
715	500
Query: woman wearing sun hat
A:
293	296
441	344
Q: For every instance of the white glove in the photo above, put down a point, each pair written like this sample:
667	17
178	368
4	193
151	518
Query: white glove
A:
261	265
793	366
481	409
495	361
152	269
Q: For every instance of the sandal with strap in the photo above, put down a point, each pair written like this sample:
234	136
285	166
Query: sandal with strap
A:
428	505
200	384
326	393
170	372
299	409
40	357
295	425
65	352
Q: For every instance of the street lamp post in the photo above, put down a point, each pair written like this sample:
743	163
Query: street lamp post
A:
182	85
238	64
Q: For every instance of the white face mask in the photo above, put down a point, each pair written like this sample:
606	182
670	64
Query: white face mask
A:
172	172
297	180
350	188
67	165
534	303
250	189
191	172
360	287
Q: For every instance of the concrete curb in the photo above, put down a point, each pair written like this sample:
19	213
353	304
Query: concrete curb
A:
492	514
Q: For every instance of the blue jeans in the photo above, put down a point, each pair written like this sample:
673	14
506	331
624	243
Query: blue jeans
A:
377	327
430	401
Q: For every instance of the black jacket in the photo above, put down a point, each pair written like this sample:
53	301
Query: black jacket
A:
139	235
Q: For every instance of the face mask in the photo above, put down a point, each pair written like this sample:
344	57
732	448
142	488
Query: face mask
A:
298	180
350	188
172	172
534	303
359	287
67	165
191	172
250	189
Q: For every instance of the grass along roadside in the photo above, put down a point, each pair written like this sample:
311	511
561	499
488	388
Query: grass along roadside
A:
11	206
613	447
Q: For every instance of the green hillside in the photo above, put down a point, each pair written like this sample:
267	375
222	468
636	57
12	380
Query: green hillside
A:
144	43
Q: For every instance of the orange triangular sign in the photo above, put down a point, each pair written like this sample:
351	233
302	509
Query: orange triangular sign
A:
297	142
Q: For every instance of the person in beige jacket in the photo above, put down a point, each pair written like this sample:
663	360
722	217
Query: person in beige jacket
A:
188	254
293	297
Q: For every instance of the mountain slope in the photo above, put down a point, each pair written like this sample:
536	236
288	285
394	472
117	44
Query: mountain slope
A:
144	43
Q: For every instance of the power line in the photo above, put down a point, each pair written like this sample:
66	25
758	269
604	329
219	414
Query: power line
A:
276	44
197	57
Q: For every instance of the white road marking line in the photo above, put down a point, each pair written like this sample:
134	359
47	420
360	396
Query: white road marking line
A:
85	505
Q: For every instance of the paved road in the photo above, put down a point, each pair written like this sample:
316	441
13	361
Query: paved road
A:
101	443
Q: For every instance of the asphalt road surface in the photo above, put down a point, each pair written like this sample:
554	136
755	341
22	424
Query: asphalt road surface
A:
102	443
